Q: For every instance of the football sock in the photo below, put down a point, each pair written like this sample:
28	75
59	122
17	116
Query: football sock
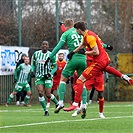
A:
79	90
10	98
62	90
84	96
43	103
26	99
101	104
54	99
113	71
48	100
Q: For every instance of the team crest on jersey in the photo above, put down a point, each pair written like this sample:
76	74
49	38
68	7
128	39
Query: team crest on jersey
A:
41	61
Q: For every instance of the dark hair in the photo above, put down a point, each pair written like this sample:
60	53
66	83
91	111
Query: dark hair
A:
61	53
81	25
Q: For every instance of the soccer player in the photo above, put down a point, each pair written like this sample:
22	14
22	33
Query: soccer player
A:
108	69
20	95
93	73
43	75
22	77
72	39
57	75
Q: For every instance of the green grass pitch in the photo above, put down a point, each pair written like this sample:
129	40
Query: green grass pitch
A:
19	119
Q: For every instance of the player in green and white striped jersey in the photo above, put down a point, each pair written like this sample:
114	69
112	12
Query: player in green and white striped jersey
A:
22	77
44	75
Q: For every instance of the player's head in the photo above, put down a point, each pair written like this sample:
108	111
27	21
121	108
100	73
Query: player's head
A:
61	56
23	56
26	60
45	46
80	26
69	23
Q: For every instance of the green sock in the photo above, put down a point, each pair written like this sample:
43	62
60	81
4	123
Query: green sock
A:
43	103
10	98
84	96
53	98
62	90
26	100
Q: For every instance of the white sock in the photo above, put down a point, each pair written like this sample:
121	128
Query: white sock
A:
75	104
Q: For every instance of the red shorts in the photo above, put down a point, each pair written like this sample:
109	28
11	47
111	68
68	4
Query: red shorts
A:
95	69
97	82
55	85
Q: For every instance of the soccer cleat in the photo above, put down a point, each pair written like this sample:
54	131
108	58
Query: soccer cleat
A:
58	109
101	116
17	103
83	113
78	111
127	79
72	107
46	113
6	105
48	105
90	101
22	103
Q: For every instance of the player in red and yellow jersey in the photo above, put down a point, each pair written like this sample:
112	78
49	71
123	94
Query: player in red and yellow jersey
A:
93	73
56	78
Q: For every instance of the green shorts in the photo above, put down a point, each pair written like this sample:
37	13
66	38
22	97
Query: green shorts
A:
78	62
47	83
22	86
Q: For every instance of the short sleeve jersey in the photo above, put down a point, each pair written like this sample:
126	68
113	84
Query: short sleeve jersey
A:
91	40
72	39
38	61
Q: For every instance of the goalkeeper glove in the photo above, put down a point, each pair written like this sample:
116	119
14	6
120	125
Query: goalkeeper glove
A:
109	47
69	56
81	51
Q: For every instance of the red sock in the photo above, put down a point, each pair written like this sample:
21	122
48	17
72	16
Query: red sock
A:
113	71
78	91
101	103
48	100
63	28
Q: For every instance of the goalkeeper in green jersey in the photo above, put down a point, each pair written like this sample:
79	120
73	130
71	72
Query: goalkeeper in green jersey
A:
22	77
77	62
44	75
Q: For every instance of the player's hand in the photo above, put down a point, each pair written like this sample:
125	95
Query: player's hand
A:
15	81
61	23
69	56
109	47
46	62
48	75
55	74
81	51
32	75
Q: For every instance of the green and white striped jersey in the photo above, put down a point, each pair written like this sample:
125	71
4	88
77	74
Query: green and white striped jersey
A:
38	61
22	73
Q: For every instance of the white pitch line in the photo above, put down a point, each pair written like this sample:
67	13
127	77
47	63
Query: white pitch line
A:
64	121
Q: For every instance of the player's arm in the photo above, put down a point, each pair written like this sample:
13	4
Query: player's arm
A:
79	47
54	66
57	48
29	76
16	73
33	63
91	40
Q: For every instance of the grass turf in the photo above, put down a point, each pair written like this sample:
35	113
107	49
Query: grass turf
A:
119	118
